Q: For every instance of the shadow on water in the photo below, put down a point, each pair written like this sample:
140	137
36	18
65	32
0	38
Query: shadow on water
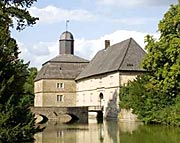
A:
99	117
112	129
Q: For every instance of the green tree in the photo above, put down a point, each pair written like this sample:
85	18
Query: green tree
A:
163	58
155	96
16	119
29	84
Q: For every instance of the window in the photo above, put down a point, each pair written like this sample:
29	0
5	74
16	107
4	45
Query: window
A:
60	85
129	65
111	80
91	96
77	98
83	98
100	80
101	96
60	98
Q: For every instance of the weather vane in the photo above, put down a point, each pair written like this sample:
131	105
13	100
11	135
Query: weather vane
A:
67	21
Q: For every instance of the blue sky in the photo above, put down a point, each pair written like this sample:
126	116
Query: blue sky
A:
91	22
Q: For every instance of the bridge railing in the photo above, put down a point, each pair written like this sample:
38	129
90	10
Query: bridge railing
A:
95	108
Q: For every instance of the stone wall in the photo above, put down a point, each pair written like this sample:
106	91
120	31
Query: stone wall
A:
53	113
127	115
47	92
128	76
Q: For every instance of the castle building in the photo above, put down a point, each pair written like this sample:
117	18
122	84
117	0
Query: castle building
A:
55	83
68	80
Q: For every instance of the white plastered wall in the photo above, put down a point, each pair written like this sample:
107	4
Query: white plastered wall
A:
88	90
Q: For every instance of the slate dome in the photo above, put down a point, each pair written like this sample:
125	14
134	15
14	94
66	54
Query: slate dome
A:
66	36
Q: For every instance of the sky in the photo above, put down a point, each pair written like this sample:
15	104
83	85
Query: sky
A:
91	22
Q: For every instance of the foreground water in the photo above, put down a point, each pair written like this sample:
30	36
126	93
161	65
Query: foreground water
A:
107	132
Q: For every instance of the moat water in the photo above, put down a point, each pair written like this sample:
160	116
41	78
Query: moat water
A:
107	132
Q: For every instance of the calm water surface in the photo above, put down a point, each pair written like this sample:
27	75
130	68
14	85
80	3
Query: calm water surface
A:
107	132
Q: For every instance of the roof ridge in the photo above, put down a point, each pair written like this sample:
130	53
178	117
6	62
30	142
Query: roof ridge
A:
125	53
67	58
81	58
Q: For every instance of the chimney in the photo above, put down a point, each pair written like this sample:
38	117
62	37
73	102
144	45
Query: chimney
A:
107	44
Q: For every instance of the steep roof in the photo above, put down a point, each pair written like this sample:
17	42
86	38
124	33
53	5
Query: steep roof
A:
65	66
67	58
124	56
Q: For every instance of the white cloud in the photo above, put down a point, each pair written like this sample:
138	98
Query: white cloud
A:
52	14
134	20
41	49
120	2
44	51
88	48
38	53
130	3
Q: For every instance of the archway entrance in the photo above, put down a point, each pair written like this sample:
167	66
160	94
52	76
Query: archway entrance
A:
101	104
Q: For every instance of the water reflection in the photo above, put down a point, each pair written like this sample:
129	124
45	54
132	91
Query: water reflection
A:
107	132
151	134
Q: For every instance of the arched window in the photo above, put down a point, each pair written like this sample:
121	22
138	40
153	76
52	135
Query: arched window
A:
101	96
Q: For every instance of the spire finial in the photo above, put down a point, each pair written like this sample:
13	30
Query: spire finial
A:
67	21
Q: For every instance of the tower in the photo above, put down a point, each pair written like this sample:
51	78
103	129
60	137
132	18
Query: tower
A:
66	43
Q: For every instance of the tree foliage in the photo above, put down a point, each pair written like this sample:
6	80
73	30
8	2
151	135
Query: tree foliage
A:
16	120
16	10
163	58
155	96
149	104
29	84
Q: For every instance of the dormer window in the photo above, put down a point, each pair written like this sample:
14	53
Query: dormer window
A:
60	85
129	65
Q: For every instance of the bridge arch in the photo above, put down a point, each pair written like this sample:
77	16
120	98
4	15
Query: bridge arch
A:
78	114
74	118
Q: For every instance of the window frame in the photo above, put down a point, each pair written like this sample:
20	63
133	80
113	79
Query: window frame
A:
60	98
60	85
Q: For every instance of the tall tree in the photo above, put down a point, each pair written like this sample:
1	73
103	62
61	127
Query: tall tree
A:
16	120
155	97
29	84
163	58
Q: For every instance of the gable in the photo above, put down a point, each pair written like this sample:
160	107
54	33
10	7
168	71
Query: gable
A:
126	55
133	57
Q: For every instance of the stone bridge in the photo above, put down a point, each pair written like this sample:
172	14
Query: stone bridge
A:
78	114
